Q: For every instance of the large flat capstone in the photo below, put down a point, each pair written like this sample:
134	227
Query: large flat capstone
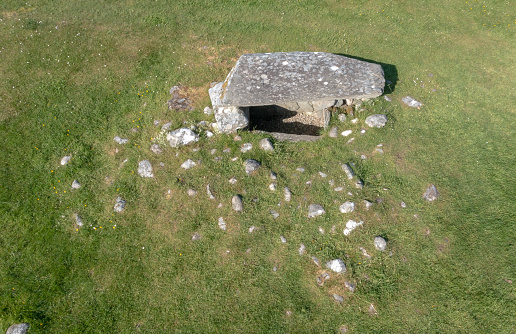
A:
262	79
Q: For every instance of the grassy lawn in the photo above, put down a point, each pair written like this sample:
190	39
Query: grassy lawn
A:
74	74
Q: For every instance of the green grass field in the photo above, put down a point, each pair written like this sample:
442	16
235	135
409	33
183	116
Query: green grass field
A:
74	74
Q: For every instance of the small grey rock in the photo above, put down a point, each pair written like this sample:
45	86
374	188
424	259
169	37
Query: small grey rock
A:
76	184
274	214
283	239
288	194
182	136
251	166
316	261
388	99
78	220
18	328
266	144
380	243
65	160
191	192
120	140
346	133
145	169
166	126
208	111
227	150
431	193
208	191
403	205
351	225
222	223
119	205
156	122
272	187
350	286
252	229
302	249
411	102
156	149
321	174
376	121
348	170
336	265
233	180
338	298
315	210
300	169
334	131
246	147
196	236
188	164
367	204
342	118
273	176
237	204
364	252
347	207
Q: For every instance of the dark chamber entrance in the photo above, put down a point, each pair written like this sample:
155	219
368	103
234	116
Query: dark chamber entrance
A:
277	119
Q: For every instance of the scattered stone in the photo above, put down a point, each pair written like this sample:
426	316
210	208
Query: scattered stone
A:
343	329
227	150
283	239
347	207
237	204
252	229
272	187
274	214
376	121
156	122
273	176
354	120
145	169
403	205
78	220
338	299
234	159
350	286
65	160
266	144
431	193
346	133
208	111
372	310
367	204
288	194
379	200
315	210
339	189
321	174
196	236
251	166
350	140
156	149
76	184
222	224
411	102
275	268
120	140
230	119
316	261
135	130
388	99
380	243
362	131
379	150
188	164
359	184
191	192
300	169
351	225
342	118
209	134
208	191
308	183
321	230
182	136
364	252
336	265
302	249
213	151
246	147
334	131
18	328
363	157
119	205
349	171
233	180
166	126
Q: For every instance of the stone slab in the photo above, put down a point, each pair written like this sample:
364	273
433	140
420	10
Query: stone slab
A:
261	79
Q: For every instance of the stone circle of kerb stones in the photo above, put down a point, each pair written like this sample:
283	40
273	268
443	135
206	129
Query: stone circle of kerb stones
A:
308	82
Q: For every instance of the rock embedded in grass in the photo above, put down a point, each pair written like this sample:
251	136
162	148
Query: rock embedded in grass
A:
120	140
338	299
347	207
283	239
411	102
274	214
342	118
288	194
251	166
65	160
155	148
380	243
237	204
349	171
182	136
188	164
222	224
119	205
18	328
334	132
351	225
336	265
196	236
350	286
346	133
431	193
315	210
76	184
209	192
191	192
78	220
376	121
302	249
145	169
266	144
246	147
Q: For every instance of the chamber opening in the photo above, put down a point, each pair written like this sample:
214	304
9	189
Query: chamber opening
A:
274	118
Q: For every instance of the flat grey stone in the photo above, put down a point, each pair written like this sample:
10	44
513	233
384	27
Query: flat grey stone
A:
351	225
336	265
208	191
293	137
273	175
188	164
120	140
316	261
237	204
274	214
182	136
246	147
156	149
272	187
288	194
364	252
65	160
191	192
252	229
166	126
214	93
347	207
346	133
76	184
411	102
367	204
119	205
270	78
338	299
145	169
334	132
349	171
388	99
18	328
380	243
431	193
403	205
230	118
266	144
350	286
156	122
283	239
342	118
208	111
315	210
196	236
251	166
222	223
302	249
78	220
376	121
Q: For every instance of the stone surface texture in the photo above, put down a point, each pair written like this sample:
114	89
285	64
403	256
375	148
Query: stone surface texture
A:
182	136
431	193
271	78
376	121
337	266
145	169
315	210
